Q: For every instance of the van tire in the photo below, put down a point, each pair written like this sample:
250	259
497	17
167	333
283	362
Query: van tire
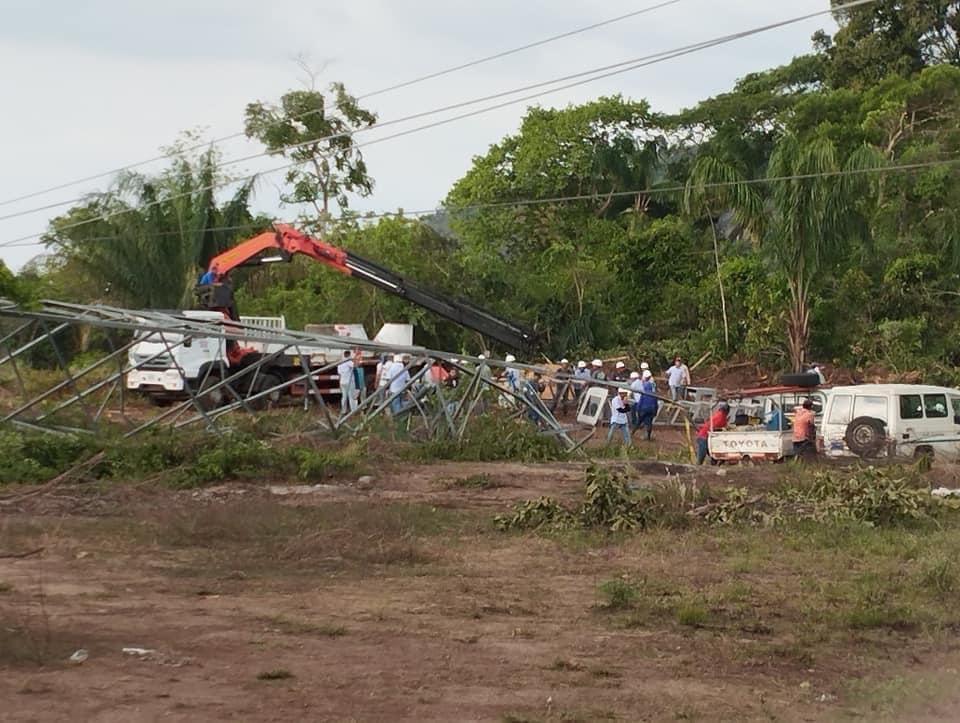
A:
805	379
866	436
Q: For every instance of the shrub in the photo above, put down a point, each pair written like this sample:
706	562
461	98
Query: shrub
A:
618	594
493	437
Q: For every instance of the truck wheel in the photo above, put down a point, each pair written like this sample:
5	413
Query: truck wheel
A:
865	436
265	382
210	400
806	379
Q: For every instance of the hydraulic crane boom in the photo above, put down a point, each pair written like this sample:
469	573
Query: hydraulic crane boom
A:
214	293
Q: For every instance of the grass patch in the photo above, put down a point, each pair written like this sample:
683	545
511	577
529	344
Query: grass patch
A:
473	482
492	437
6	587
275	674
693	613
292	626
618	594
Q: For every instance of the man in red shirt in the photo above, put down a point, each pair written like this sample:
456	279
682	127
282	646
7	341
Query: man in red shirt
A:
805	429
717	421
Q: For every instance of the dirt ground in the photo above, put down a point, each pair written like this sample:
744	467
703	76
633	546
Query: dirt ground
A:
395	599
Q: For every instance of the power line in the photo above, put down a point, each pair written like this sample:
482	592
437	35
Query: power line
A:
639	193
662	57
633	62
388	89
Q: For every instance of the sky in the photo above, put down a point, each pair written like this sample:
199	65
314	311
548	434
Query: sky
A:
94	85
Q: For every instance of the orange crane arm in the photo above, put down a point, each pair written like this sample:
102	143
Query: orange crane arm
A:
285	239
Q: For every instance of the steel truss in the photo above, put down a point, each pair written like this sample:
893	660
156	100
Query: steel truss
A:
93	398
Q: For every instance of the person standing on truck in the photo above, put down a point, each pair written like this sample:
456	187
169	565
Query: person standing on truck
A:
619	408
345	372
718	421
678	379
805	429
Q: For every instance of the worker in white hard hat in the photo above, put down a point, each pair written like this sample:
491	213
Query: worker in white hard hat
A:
399	377
598	374
581	377
621	373
563	387
511	375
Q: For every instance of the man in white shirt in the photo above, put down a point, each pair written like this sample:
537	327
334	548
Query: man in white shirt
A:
399	377
619	408
345	372
678	379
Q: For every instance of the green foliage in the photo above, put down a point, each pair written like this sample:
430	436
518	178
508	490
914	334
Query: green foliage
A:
156	234
491	438
316	132
618	594
36	457
319	464
870	496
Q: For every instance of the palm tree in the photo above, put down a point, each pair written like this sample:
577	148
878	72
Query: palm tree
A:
157	232
812	209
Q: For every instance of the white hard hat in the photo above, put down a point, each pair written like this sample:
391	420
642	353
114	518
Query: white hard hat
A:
644	366
581	365
634	375
620	365
480	356
510	358
647	374
398	357
597	363
564	361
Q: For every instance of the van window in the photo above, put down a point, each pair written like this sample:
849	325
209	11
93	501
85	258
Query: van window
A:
935	406
840	411
870	407
955	401
911	406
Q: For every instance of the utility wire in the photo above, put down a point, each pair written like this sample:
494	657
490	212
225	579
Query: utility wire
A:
639	193
388	89
668	55
634	63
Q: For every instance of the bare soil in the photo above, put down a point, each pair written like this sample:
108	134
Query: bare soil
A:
396	600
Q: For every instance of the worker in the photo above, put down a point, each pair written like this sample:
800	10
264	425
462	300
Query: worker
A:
582	376
817	369
620	374
532	389
345	373
619	408
645	367
359	377
678	379
775	420
399	378
648	404
437	374
804	429
598	374
718	421
382	379
564	388
636	386
208	278
511	375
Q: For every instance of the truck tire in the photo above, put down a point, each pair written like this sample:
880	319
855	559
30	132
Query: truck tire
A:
806	379
210	400
866	436
265	382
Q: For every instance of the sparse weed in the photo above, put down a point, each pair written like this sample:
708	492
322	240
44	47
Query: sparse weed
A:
275	674
619	594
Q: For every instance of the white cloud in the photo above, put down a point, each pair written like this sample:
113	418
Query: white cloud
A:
99	84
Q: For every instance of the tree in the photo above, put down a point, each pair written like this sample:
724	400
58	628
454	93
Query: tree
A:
143	242
890	37
316	133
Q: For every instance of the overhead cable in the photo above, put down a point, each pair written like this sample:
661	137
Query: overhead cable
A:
388	89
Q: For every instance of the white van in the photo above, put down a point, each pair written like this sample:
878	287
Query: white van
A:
892	420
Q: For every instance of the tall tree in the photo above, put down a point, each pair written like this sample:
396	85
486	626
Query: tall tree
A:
316	131
143	242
